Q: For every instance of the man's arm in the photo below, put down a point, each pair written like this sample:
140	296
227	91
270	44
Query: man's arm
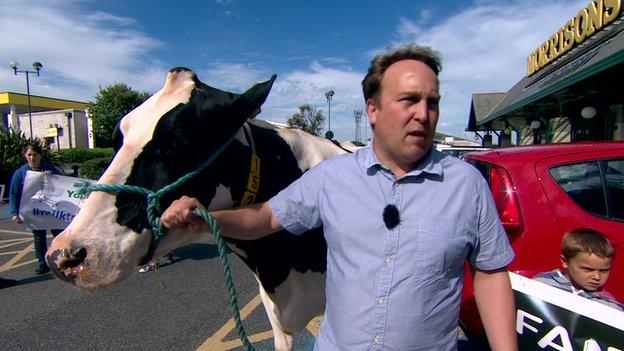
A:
247	223
497	309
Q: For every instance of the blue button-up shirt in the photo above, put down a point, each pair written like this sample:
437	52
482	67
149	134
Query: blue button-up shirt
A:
395	289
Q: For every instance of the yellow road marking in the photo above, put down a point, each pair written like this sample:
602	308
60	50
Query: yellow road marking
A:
15	232
13	242
216	342
25	263
13	262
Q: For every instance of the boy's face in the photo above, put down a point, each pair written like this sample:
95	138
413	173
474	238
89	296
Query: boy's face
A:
587	271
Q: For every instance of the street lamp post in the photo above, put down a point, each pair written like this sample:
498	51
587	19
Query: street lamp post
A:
37	66
358	125
329	94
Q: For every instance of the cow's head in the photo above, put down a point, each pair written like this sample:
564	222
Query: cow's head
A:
168	136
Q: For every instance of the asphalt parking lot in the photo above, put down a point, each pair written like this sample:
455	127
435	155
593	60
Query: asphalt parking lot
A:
184	306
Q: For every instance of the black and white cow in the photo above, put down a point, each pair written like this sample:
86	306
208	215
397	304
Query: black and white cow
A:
166	137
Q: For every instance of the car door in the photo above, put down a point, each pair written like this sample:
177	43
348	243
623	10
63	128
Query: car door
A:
585	190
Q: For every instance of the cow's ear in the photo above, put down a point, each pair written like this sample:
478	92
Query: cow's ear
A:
255	96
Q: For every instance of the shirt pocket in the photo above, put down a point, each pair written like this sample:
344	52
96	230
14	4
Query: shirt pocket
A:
442	245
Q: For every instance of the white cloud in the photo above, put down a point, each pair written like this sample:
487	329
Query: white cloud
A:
232	77
484	48
79	51
309	86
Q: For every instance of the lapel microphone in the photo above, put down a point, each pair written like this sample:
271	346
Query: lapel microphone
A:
391	216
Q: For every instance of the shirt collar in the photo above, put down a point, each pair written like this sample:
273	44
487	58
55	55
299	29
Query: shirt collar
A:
429	164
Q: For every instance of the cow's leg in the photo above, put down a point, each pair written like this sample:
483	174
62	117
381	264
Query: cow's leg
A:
296	301
283	339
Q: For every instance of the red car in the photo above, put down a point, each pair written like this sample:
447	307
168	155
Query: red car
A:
543	191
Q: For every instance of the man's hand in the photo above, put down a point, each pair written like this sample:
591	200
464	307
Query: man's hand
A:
16	219
180	215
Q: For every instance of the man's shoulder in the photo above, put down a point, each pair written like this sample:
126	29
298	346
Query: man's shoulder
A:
454	165
338	160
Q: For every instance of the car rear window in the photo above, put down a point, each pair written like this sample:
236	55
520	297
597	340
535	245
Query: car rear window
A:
596	186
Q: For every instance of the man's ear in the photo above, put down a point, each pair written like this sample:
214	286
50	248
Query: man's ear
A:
371	110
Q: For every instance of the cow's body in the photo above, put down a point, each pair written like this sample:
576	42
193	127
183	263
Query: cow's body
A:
171	134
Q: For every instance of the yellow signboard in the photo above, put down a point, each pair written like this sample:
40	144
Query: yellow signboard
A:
588	21
51	132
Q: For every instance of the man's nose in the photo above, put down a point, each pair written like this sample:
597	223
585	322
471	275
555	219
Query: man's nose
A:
420	111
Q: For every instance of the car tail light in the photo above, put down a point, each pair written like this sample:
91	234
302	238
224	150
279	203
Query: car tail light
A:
506	200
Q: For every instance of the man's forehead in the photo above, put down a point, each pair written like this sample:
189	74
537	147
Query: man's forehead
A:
411	76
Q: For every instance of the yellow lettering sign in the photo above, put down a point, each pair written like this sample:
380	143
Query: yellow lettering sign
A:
51	132
589	20
612	10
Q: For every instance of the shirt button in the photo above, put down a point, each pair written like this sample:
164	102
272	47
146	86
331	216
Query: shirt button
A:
377	339
388	259
380	301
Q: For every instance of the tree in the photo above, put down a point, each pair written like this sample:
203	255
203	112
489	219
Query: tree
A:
309	119
112	103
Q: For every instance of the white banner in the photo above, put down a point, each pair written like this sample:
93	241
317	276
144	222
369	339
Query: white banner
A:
49	201
549	318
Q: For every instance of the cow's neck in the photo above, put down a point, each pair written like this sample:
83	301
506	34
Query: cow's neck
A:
257	165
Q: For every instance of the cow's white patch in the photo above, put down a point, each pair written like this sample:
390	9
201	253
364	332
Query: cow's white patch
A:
240	136
308	149
222	199
113	250
297	300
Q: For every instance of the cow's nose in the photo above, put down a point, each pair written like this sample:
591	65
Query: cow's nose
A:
72	257
63	261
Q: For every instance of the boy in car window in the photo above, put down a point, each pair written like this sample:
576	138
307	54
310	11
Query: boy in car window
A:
586	258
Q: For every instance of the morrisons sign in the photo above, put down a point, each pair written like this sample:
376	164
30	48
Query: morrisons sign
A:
588	21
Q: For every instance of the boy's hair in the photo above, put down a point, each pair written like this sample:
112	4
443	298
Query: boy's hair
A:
371	85
585	240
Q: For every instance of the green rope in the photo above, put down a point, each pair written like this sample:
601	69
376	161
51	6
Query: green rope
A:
228	277
159	230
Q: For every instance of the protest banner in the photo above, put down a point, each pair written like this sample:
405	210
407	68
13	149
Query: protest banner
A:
49	201
549	318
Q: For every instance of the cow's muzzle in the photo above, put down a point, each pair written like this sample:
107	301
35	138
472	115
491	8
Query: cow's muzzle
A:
67	263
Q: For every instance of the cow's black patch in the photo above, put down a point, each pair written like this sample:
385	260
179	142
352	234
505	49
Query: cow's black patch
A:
188	135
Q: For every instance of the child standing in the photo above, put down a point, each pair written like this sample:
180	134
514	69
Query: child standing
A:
586	258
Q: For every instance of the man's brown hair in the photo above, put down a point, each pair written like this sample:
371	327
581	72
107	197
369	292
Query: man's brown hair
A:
585	240
371	85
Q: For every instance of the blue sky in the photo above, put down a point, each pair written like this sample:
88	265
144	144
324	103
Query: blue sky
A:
313	46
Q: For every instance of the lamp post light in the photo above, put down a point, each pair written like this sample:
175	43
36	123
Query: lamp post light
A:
37	66
329	94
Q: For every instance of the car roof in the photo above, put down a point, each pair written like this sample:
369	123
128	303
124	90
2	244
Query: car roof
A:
541	151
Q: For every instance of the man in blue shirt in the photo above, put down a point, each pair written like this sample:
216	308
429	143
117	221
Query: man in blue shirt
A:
400	220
